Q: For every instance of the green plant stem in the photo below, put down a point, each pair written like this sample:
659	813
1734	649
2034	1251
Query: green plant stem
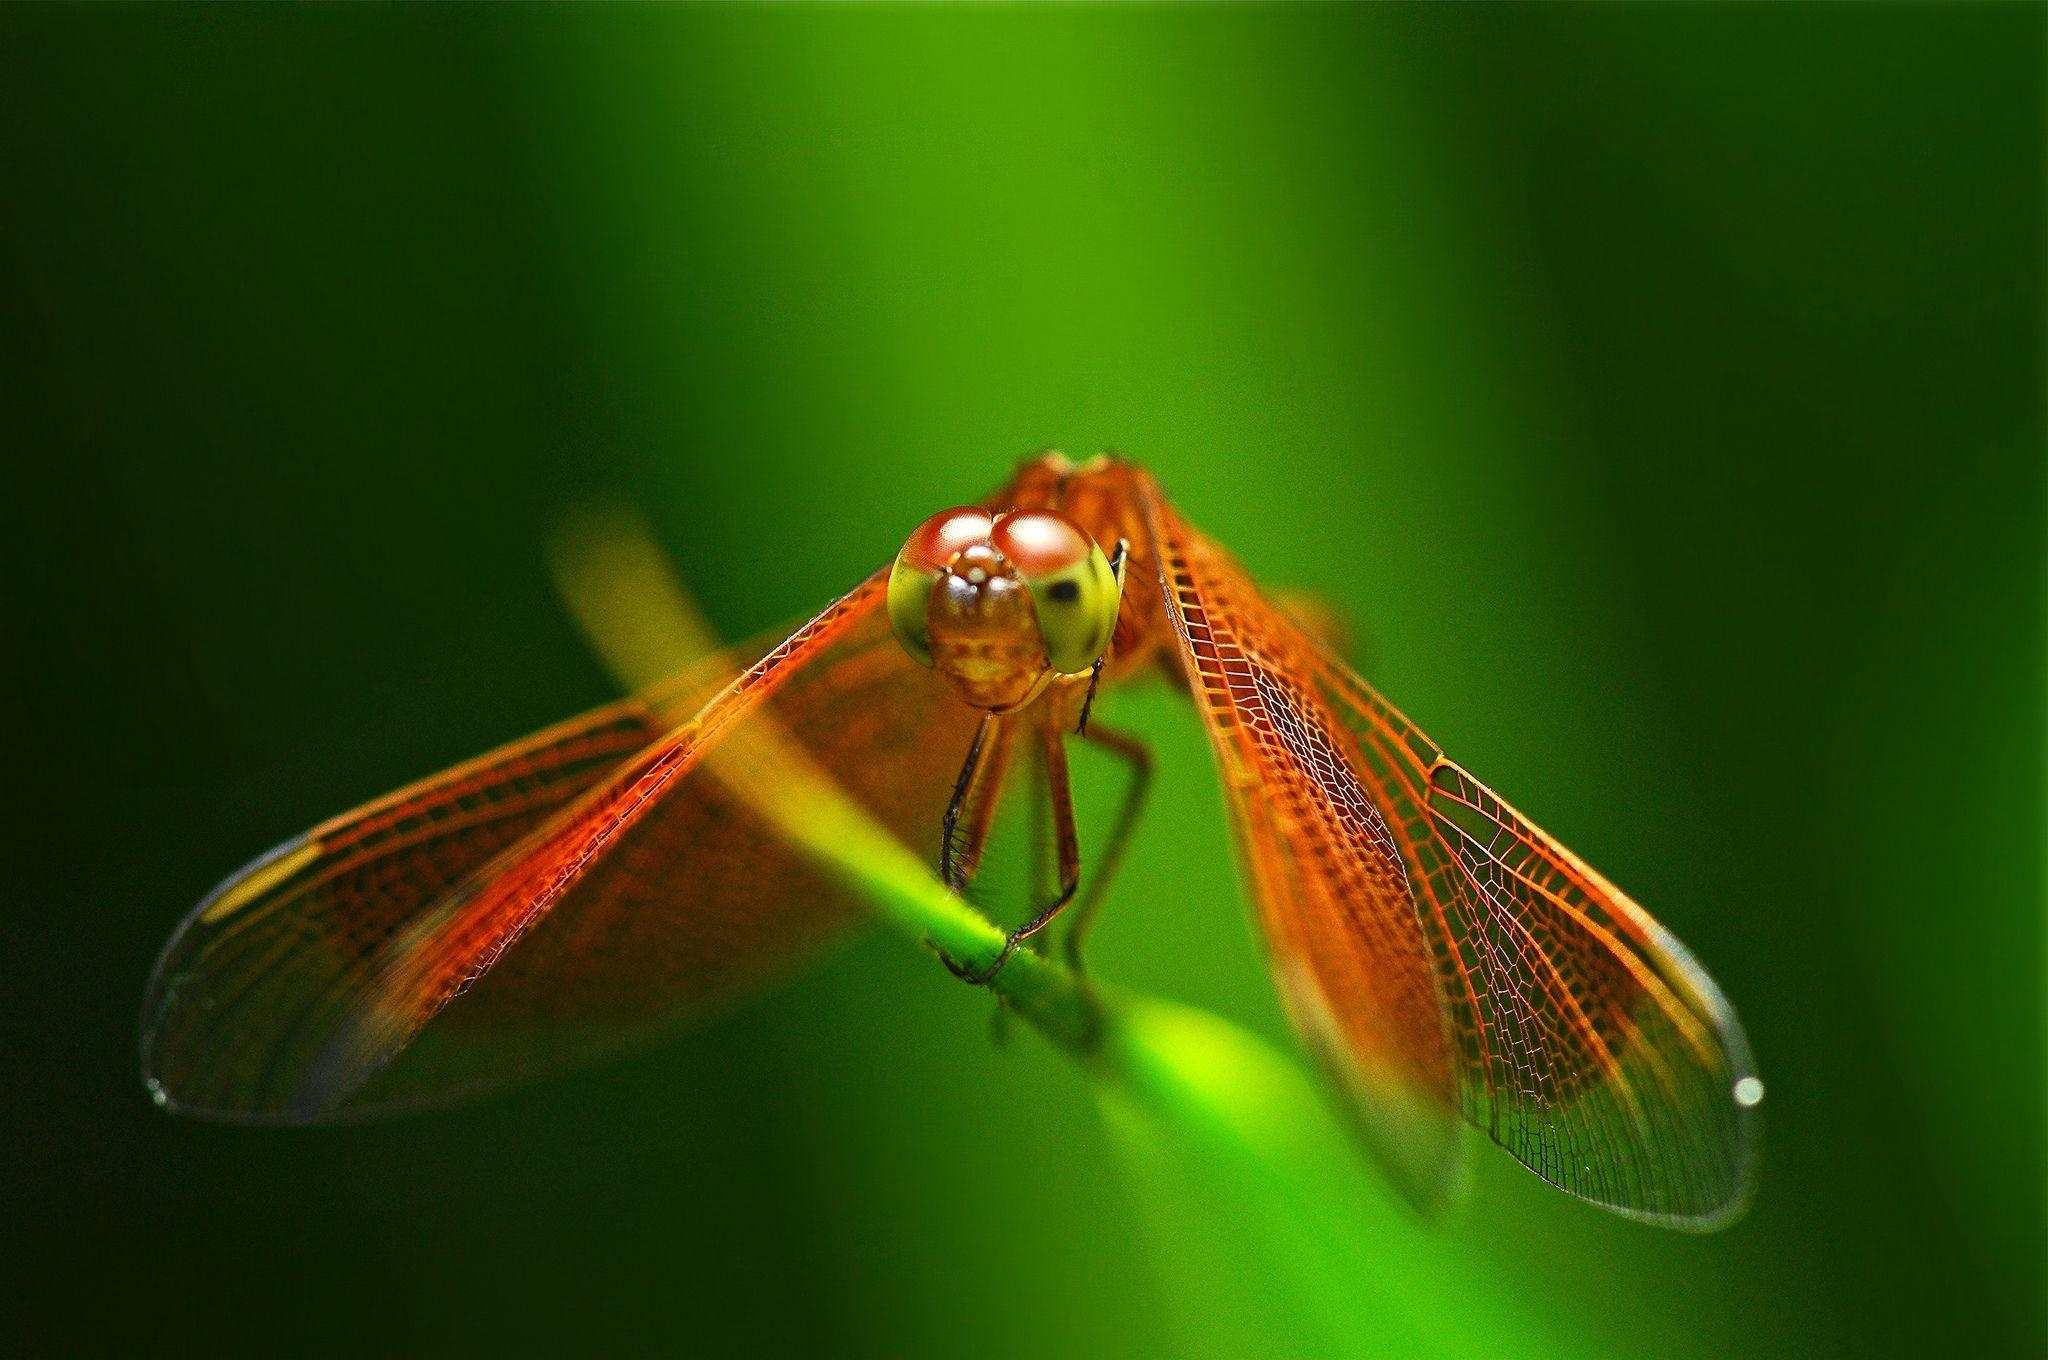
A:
781	784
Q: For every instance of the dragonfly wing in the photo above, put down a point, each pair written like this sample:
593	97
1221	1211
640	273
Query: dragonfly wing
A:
597	922
1352	962
1583	1037
1594	1047
320	901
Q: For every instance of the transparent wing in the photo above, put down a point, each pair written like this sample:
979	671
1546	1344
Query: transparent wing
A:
571	895
1594	1047
1584	1038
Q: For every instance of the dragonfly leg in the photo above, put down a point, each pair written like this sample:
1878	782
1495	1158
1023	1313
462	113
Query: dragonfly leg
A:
1116	567
954	868
1061	789
971	813
1138	757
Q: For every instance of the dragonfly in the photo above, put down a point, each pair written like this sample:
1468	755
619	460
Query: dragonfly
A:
595	885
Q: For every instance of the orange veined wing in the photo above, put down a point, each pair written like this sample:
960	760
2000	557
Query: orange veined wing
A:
567	896
1444	954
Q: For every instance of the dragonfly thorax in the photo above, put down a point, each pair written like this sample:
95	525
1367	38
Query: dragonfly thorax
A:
1000	605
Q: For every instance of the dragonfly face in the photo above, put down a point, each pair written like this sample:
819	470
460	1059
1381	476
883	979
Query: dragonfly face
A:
1002	604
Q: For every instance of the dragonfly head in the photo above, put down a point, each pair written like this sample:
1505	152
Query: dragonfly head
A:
1000	604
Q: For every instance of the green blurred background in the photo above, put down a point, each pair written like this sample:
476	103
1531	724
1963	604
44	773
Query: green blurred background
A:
1657	391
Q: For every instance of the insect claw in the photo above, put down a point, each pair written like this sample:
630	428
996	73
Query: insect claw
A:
979	977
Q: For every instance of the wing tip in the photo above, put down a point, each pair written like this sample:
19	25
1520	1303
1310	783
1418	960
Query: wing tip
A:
161	994
1722	1200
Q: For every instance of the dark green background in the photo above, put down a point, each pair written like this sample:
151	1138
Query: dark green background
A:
1657	391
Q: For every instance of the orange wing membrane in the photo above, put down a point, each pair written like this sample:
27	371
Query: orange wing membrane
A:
637	889
1441	952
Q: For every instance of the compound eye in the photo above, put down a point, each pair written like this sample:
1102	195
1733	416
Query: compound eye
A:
926	554
1073	591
